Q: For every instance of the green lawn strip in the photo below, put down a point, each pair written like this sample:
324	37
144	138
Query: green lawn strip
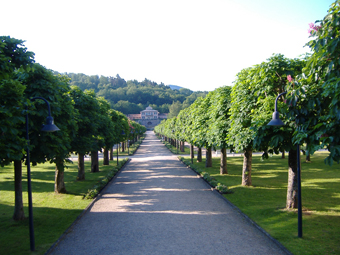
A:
52	213
97	188
174	150
132	149
264	202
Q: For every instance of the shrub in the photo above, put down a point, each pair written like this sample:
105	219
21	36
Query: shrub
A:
223	189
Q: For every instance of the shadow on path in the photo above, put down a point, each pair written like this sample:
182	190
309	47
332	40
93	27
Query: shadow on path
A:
158	206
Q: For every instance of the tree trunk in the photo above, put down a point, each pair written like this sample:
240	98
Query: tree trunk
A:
81	167
111	153
208	157
223	165
307	155
192	152
246	171
123	146
59	184
292	188
199	154
18	205
94	162
106	157
182	146
283	154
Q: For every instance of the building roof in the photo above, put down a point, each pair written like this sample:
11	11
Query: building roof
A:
149	108
133	116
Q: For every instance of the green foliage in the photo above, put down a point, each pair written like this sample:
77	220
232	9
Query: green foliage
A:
174	109
243	102
223	189
107	130
219	114
11	120
132	96
87	108
200	124
315	95
55	89
203	123
253	98
13	57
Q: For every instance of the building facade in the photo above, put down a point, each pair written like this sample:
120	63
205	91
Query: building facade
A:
149	117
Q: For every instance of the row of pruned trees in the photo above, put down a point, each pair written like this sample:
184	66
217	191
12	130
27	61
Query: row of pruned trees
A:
87	123
237	117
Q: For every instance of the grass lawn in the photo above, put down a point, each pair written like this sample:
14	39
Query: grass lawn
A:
129	151
52	213
264	202
175	150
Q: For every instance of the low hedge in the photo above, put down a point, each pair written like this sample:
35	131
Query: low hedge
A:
221	188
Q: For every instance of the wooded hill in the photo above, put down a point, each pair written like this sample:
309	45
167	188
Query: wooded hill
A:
133	96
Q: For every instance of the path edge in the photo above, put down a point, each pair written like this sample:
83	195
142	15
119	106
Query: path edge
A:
281	246
89	206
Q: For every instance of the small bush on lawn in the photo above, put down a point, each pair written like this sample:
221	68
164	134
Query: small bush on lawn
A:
223	189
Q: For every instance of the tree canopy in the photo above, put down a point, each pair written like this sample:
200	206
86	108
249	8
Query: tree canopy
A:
132	96
314	96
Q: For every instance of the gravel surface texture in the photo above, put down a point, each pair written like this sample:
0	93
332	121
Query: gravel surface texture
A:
156	205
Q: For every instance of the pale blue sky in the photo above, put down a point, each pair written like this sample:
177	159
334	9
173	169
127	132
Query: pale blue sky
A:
200	45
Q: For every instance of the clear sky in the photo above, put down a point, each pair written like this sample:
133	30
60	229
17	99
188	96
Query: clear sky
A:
200	45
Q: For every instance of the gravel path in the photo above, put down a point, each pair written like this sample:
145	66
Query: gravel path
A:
158	206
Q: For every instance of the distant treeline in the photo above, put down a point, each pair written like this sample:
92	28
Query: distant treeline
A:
133	96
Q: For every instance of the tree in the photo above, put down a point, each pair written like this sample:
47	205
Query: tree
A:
253	100
219	122
87	108
174	109
200	126
13	57
133	96
54	147
107	128
272	80
255	95
240	135
314	97
184	91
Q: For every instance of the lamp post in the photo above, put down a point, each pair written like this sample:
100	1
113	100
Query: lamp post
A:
276	121
48	127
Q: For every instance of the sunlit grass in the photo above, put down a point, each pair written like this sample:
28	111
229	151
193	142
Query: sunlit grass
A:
264	202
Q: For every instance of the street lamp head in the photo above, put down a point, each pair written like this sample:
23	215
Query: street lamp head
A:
276	116
49	126
276	121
